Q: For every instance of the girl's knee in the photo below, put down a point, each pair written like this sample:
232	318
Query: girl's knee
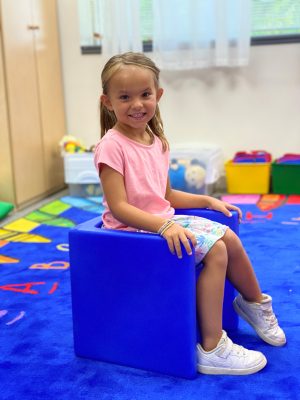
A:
233	244
230	238
217	254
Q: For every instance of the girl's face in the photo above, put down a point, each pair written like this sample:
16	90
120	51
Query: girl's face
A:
133	96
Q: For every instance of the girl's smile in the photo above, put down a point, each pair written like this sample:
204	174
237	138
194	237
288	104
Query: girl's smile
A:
137	116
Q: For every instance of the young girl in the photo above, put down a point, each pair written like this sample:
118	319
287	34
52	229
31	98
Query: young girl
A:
133	159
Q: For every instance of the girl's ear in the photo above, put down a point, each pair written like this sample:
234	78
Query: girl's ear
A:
159	93
106	102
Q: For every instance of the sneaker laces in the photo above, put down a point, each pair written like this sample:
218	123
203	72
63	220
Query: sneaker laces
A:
239	350
226	346
269	317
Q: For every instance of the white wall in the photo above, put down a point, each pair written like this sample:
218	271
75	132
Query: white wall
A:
250	108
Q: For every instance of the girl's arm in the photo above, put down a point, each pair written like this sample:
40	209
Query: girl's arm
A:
180	199
115	195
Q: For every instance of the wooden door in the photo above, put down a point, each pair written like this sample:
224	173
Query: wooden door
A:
50	88
23	99
6	176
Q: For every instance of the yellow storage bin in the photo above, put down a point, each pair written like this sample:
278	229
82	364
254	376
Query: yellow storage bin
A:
248	178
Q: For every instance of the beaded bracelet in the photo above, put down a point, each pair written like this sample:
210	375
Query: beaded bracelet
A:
165	226
166	223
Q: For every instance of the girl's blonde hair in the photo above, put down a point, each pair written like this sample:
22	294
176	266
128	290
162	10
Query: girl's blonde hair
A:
107	117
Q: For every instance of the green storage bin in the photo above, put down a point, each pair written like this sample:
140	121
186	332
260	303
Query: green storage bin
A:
286	178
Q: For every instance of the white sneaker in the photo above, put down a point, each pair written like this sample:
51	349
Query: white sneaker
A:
262	318
229	359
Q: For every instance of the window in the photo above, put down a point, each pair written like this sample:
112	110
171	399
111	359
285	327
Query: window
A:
146	23
273	21
89	13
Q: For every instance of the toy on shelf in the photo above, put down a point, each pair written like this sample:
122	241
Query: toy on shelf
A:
70	144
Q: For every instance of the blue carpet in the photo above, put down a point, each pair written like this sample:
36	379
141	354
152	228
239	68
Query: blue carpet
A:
37	359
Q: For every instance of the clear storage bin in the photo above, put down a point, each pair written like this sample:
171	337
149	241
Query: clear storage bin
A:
81	175
195	168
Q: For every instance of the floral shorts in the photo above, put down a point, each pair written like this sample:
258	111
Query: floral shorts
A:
207	233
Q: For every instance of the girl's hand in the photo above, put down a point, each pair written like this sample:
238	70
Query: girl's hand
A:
219	205
175	235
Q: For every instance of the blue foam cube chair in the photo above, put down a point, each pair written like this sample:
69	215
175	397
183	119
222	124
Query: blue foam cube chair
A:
133	302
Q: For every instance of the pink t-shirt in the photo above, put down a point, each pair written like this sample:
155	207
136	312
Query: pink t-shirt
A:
145	171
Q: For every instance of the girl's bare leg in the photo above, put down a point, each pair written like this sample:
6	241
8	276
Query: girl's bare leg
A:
239	270
210	294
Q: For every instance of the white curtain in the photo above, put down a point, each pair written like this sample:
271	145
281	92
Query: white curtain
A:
191	34
121	26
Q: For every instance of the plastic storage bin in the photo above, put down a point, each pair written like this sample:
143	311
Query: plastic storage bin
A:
248	178
81	175
286	178
195	168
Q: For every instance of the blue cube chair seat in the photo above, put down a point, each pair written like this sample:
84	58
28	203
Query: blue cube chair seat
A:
134	303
